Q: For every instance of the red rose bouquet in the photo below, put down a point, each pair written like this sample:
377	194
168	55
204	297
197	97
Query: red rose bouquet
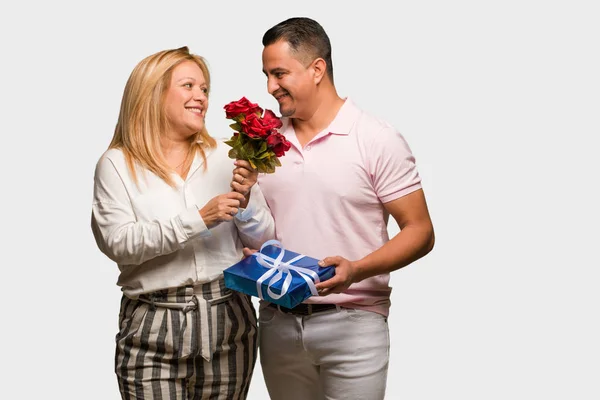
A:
256	138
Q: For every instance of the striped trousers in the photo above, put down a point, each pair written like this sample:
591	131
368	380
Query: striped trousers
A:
194	342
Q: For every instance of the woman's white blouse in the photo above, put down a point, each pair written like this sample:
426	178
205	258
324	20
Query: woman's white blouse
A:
154	232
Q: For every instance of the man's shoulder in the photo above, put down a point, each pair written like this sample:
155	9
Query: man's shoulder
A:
368	124
377	134
370	128
370	121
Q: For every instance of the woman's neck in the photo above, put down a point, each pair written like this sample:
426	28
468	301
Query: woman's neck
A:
172	146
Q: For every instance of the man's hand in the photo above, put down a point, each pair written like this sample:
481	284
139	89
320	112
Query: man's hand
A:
345	275
248	252
242	180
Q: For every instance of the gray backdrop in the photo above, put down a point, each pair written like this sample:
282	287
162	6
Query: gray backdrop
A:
498	100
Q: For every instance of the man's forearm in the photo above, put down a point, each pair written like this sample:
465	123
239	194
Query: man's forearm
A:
412	243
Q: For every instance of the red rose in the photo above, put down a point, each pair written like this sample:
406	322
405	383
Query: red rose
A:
271	120
242	106
278	143
255	137
255	127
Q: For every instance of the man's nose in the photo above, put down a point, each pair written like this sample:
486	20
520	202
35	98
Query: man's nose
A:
272	85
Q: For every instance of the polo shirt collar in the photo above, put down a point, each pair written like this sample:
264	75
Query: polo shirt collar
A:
341	124
345	119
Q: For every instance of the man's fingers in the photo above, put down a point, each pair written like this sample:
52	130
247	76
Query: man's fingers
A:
239	177
244	164
241	174
329	261
239	188
235	186
328	284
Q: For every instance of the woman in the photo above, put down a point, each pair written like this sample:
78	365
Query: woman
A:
164	211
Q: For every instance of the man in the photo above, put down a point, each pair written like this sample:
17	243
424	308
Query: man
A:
344	175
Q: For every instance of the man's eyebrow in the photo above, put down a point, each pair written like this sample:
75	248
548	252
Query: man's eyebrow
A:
274	70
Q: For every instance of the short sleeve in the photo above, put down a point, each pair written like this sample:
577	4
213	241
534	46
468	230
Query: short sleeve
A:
391	165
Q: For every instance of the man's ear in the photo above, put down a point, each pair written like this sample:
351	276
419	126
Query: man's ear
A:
319	67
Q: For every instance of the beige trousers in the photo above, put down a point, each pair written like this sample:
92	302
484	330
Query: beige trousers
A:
335	355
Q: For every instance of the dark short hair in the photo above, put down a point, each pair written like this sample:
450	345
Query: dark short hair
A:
306	38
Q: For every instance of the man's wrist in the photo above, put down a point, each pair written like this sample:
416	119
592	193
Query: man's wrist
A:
361	270
244	203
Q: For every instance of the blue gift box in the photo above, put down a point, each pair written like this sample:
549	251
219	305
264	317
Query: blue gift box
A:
275	269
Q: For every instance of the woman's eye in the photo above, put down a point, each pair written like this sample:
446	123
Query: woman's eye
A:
187	85
205	90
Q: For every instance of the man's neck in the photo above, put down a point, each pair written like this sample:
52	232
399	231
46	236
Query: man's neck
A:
325	112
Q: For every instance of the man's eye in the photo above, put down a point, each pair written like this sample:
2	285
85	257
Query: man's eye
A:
278	75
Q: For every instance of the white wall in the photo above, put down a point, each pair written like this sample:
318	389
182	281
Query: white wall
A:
499	101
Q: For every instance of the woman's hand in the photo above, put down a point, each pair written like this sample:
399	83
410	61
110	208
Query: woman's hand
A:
221	208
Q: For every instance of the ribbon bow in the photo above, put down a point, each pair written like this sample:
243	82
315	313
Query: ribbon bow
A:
277	268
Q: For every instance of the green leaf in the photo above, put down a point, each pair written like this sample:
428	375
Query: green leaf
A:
263	146
269	169
248	149
258	164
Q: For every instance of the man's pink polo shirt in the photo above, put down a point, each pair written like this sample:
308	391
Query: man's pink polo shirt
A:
327	198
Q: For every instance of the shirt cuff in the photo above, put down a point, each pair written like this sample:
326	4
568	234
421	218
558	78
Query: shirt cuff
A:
244	214
192	223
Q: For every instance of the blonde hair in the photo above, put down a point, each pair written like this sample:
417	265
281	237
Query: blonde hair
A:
142	118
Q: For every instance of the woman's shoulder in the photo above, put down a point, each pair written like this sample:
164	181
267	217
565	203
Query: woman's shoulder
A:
113	154
111	159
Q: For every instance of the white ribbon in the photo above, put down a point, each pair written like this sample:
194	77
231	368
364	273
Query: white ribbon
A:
278	266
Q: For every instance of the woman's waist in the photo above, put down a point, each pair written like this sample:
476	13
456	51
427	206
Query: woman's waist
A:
170	278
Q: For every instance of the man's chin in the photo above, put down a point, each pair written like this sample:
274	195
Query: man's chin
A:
287	112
